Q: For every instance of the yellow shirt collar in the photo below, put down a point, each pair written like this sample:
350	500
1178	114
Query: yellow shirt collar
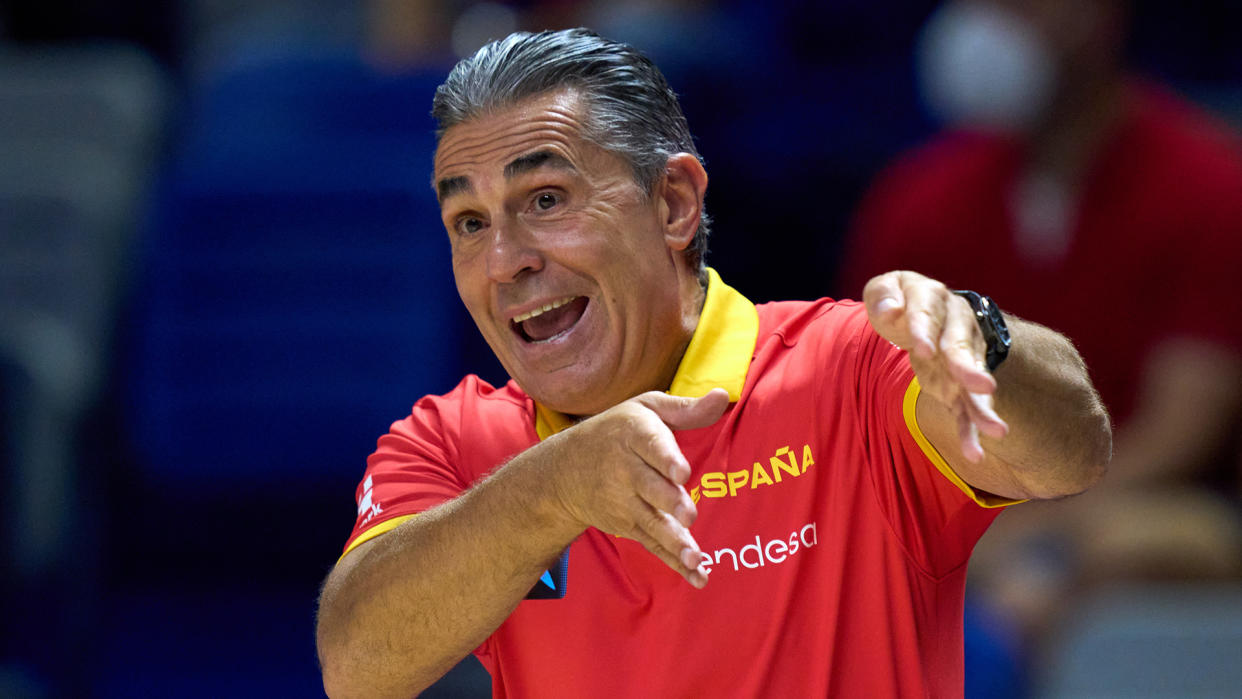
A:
718	355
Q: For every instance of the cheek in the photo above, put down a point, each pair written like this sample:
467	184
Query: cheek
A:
472	287
462	277
618	230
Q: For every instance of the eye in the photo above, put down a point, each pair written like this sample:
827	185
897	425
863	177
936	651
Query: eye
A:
468	225
546	201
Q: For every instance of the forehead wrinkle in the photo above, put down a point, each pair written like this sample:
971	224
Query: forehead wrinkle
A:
553	126
461	141
490	142
519	117
488	148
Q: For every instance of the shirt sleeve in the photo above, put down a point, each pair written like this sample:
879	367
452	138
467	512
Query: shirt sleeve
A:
936	515
412	470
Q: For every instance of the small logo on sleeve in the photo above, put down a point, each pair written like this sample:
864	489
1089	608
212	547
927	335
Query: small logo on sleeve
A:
367	506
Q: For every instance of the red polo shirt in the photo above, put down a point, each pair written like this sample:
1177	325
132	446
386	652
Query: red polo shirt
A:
836	537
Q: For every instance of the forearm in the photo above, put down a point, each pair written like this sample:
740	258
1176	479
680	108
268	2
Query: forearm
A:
428	592
396	616
1059	440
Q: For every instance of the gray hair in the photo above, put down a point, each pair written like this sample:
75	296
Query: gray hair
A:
631	110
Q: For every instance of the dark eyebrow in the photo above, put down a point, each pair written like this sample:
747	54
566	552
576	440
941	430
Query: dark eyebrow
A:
531	161
520	165
449	186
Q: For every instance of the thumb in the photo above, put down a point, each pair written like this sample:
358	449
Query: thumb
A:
681	413
885	301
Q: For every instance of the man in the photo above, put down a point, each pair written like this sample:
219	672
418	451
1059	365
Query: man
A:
1109	207
833	496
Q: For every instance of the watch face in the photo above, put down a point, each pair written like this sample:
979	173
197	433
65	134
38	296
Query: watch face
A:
991	324
997	322
995	332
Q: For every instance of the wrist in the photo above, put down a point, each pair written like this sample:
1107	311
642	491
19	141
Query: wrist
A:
533	490
992	324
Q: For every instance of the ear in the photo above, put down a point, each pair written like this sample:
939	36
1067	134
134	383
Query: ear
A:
681	193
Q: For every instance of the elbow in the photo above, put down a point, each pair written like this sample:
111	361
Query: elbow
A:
1094	444
332	667
356	664
343	680
329	647
1068	456
1097	448
1087	472
1101	453
348	673
358	654
1084	461
334	684
343	676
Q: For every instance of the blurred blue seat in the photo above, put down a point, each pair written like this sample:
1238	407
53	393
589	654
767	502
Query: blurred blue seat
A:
79	127
207	642
296	298
1146	641
298	295
994	659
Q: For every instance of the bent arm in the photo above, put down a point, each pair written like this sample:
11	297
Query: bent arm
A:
400	610
1059	440
1037	429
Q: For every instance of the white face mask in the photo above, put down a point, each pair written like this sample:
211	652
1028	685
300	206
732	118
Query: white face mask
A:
982	66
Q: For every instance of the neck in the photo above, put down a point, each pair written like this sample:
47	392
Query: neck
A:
693	288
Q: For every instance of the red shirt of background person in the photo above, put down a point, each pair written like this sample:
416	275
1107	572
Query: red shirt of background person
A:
1112	210
1106	207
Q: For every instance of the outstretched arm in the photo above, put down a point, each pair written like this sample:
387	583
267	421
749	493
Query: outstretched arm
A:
400	610
1037	429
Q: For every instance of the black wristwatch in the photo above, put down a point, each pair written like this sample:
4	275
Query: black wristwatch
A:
992	323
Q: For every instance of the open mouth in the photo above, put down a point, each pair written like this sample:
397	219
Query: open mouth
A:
553	319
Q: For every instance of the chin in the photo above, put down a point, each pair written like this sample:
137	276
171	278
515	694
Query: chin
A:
575	397
569	402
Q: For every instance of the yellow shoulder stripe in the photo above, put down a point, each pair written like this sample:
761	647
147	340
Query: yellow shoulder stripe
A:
385	526
907	408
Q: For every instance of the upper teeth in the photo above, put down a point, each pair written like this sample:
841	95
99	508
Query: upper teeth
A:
544	309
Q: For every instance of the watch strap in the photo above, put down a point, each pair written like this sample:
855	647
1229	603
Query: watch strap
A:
992	324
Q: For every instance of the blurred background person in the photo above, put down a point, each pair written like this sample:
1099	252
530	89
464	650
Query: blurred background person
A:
1112	207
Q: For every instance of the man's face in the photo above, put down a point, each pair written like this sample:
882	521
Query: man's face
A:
1080	33
560	256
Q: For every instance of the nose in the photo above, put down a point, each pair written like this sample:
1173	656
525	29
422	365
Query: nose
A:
511	252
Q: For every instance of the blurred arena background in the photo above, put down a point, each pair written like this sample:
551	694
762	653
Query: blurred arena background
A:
222	275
